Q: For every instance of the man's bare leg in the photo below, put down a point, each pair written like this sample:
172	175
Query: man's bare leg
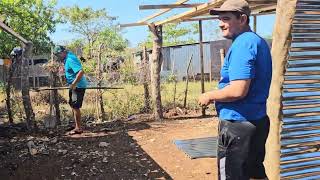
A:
77	119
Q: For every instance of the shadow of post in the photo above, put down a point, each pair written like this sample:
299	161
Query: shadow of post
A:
120	157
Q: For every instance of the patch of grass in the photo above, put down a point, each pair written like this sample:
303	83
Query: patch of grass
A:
130	100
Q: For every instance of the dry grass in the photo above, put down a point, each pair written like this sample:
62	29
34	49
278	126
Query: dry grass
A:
124	102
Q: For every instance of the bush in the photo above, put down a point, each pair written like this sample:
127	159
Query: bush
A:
128	72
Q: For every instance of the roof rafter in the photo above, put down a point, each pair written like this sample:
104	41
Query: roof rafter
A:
258	7
144	21
7	29
197	10
161	12
166	6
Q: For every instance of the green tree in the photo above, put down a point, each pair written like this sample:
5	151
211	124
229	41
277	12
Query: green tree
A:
32	19
175	34
112	41
86	22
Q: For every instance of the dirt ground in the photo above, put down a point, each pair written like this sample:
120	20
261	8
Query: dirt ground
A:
135	148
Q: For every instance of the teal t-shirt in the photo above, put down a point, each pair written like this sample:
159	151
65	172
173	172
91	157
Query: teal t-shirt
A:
72	66
248	58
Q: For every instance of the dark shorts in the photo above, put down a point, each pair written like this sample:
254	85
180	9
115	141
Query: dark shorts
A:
76	97
241	149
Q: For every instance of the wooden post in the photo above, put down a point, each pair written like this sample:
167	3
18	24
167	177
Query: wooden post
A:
156	62
30	117
280	48
145	79
210	65
56	102
99	98
255	23
203	109
12	69
56	98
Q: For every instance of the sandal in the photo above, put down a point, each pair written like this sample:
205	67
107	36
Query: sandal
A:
73	132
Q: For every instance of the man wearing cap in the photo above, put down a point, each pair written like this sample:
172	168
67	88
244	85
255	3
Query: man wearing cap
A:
241	97
77	82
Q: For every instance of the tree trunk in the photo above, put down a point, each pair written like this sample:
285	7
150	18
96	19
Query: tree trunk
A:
30	117
145	79
280	48
8	90
156	62
100	107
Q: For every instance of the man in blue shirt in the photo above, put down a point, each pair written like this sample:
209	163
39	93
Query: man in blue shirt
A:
77	82
241	98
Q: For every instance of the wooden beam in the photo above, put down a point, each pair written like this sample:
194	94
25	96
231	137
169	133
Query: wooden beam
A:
263	8
281	43
161	12
202	9
201	19
155	67
166	6
12	32
144	21
133	24
67	87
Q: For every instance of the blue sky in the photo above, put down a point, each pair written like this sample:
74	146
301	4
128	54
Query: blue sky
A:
128	11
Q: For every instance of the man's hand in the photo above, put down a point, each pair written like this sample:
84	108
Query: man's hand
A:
73	86
204	100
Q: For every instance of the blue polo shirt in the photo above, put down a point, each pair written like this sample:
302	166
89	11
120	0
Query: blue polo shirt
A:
72	66
248	58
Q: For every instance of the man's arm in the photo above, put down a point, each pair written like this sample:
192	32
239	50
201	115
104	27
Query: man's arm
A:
77	79
237	90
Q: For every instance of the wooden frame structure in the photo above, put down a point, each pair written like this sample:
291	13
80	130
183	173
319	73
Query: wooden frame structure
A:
288	16
198	12
26	54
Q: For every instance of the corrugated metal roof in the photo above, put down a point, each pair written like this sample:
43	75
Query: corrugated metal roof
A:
300	136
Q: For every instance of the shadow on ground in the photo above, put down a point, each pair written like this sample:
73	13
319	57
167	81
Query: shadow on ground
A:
103	151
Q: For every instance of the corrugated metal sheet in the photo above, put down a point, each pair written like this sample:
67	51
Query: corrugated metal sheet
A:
300	136
177	59
199	147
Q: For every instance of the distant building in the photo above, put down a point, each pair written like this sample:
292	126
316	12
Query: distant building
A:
176	58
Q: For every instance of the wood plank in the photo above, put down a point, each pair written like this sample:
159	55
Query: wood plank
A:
63	88
201	19
255	2
262	8
281	44
166	6
161	12
12	32
202	9
133	24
